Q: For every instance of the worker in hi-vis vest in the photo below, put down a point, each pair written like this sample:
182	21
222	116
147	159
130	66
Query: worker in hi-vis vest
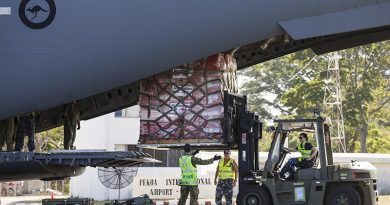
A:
308	152
227	171
189	175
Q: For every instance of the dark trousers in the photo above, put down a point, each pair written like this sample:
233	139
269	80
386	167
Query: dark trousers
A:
295	162
7	129
290	168
69	133
224	188
194	193
26	126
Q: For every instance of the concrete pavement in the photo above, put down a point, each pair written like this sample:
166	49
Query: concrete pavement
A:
36	200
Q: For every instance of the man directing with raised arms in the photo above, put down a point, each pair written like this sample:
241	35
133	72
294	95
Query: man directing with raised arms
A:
189	175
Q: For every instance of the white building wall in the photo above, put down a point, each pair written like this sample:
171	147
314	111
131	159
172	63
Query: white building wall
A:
109	133
92	130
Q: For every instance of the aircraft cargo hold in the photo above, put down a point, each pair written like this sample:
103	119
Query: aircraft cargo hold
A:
186	104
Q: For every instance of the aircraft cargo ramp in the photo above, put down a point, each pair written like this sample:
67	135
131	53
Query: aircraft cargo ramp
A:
63	164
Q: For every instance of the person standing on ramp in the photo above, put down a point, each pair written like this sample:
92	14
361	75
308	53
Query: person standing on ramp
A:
71	116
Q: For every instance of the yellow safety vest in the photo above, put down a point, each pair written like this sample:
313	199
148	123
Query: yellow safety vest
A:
189	173
305	153
226	170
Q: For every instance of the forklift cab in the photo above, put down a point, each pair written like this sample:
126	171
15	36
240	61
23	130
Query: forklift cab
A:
278	153
345	183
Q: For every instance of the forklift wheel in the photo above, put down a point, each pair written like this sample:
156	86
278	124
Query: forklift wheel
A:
343	194
255	195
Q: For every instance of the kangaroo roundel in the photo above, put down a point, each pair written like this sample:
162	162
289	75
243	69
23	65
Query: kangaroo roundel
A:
37	14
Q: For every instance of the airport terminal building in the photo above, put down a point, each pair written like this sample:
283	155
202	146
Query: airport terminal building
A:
119	131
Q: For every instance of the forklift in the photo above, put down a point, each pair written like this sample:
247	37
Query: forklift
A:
325	183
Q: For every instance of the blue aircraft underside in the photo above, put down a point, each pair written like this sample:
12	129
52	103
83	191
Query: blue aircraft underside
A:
53	52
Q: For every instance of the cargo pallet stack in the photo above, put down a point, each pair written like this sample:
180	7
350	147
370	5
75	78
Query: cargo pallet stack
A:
185	104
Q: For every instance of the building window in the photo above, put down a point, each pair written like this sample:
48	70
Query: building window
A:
118	113
168	158
130	112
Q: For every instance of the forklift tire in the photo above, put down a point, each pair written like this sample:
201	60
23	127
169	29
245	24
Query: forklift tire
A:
343	194
255	195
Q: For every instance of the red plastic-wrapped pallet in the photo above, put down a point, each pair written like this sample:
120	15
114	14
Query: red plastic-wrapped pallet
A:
185	104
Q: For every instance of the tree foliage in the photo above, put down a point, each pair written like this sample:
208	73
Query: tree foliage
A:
293	86
52	139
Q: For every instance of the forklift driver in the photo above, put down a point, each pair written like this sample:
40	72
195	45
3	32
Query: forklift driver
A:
308	152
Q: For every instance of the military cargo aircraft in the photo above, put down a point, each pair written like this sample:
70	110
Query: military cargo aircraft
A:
95	51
